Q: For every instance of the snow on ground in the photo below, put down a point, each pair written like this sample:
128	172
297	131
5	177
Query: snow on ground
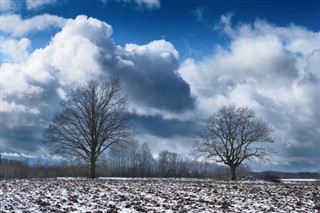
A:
298	180
155	195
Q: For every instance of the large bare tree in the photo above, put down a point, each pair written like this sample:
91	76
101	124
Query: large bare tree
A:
93	118
232	135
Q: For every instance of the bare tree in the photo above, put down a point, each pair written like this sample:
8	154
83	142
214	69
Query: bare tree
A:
93	118
163	160
168	163
145	160
232	135
131	160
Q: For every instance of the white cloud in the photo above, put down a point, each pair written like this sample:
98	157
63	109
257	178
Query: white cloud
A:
312	64
262	61
43	154
15	50
177	144
274	70
62	94
199	14
6	5
142	4
10	22
296	39
150	4
75	51
143	110
14	82
71	57
225	23
152	81
80	51
36	4
83	50
17	155
15	108
159	47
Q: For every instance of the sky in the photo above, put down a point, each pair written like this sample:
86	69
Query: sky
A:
178	62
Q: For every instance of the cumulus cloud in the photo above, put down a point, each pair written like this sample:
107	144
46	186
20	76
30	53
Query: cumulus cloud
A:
74	52
149	73
6	5
10	22
15	50
269	68
43	75
83	49
274	70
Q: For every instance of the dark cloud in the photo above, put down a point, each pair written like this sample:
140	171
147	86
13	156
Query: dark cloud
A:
156	125
22	128
21	138
156	85
81	51
274	70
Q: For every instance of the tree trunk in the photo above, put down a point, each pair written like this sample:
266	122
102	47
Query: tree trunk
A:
233	172
93	168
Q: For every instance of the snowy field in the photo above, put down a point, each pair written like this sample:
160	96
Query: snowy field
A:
156	195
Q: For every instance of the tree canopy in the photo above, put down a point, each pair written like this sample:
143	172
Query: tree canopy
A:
233	135
94	116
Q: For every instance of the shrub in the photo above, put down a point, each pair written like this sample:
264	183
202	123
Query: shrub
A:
270	176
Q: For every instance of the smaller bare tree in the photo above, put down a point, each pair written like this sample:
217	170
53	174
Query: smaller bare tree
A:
232	135
93	118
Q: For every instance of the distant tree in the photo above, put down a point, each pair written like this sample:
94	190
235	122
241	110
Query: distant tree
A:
173	157
93	118
232	135
123	158
131	160
168	163
163	160
145	160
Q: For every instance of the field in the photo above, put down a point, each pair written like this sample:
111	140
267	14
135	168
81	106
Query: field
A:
155	195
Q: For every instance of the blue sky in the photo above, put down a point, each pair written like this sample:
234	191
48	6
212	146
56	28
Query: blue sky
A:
179	61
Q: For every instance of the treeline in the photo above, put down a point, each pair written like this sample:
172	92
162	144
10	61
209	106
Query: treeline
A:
172	165
135	160
289	175
129	160
21	169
